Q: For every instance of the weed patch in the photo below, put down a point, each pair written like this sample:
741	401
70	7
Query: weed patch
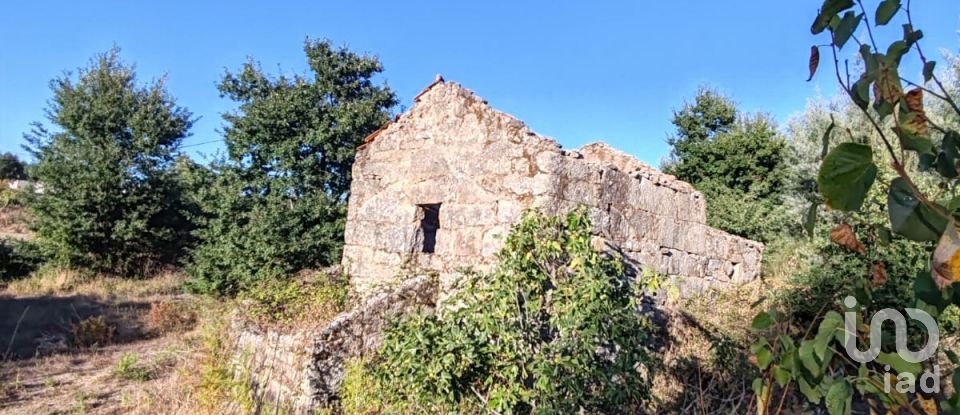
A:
93	332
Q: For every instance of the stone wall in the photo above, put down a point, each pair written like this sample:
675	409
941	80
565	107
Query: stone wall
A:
302	369
485	168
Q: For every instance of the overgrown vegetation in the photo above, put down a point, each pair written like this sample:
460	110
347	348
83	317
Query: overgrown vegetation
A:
871	181
316	300
883	224
737	161
277	203
555	329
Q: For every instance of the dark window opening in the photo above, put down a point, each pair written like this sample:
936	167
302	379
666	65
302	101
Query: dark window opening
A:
429	223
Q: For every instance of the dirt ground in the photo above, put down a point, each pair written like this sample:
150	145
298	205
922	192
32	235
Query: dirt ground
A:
88	353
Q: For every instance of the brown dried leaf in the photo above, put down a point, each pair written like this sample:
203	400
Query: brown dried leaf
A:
843	235
914	120
814	61
887	88
878	273
946	258
928	405
914	100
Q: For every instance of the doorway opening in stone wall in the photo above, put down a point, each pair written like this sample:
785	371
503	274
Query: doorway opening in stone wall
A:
429	223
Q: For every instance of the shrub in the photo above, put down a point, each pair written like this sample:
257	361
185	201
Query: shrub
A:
288	301
554	329
129	368
167	316
93	332
18	259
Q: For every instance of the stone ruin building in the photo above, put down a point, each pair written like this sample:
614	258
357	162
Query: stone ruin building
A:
441	186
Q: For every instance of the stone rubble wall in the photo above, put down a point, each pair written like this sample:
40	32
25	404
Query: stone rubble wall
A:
652	219
302	369
486	167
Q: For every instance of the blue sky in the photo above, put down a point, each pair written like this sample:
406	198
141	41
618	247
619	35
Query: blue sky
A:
578	72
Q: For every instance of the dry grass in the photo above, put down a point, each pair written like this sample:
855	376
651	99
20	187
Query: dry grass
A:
14	222
187	369
167	316
705	367
65	282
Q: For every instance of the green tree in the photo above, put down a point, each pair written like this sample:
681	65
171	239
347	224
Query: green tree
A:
554	329
11	168
110	200
737	161
277	203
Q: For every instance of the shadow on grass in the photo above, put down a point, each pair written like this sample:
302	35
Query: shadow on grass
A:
43	325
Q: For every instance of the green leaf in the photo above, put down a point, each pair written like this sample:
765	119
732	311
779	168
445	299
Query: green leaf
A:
757	386
869	60
811	393
860	92
898	364
946	166
846	175
807	358
883	234
895	52
828	11
826	137
885	11
831	322
781	375
810	219
925	161
845	29
910	36
928	70
950	155
762	321
952	355
926	290
911	218
764	358
840	398
883	109
913	142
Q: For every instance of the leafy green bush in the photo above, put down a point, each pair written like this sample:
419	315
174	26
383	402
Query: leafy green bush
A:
747	214
277	203
554	329
18	259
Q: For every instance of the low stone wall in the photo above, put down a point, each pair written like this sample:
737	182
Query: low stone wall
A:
303	369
